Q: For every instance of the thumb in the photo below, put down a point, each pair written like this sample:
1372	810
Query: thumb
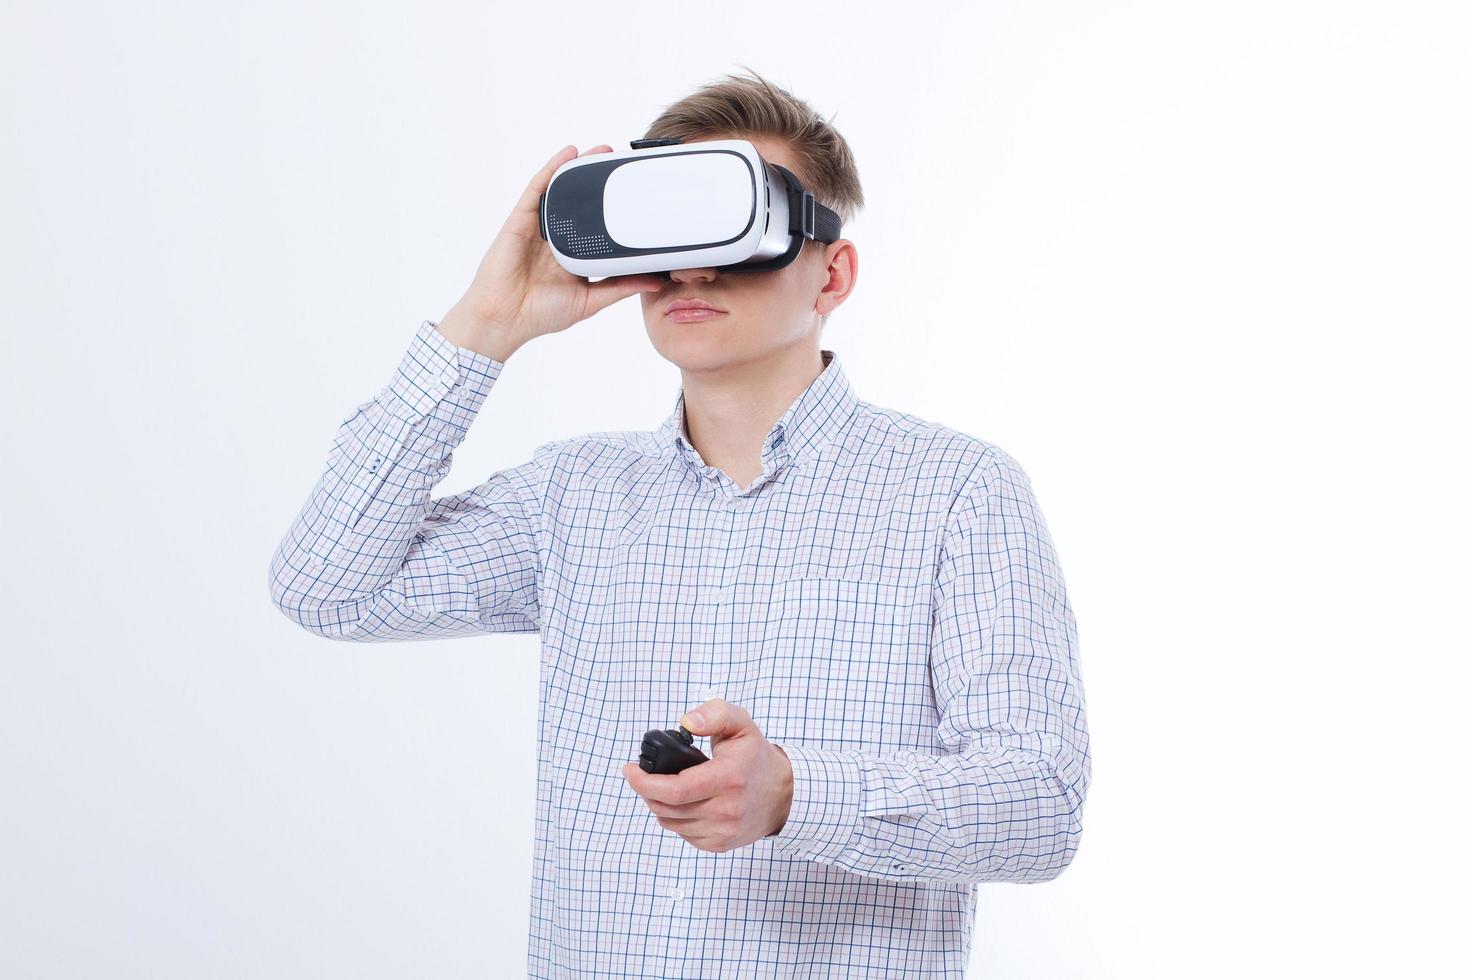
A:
606	292
717	718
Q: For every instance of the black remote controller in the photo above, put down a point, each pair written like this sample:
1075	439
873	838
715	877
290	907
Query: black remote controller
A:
669	751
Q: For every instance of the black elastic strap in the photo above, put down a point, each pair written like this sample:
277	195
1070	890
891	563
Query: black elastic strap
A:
828	226
809	217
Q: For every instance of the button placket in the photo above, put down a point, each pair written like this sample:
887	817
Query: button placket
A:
719	596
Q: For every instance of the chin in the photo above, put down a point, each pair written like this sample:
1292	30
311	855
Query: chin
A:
663	328
695	346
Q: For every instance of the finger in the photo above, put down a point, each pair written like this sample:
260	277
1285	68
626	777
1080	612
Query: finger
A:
681	811
687	786
606	292
530	201
600	148
704	842
682	823
718	717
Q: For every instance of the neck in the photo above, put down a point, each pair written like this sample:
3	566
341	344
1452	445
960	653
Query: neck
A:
729	410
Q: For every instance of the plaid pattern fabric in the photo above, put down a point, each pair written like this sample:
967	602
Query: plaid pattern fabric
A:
884	599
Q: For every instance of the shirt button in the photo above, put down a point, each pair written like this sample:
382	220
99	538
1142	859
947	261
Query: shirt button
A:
676	893
712	692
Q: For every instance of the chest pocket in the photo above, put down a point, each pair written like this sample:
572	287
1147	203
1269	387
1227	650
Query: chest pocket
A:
843	664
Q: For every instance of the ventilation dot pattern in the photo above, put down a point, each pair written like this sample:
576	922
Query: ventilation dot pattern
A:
581	246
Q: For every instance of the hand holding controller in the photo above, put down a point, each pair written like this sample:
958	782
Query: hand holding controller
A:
669	751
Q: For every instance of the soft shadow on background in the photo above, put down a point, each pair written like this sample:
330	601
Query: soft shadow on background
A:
1199	268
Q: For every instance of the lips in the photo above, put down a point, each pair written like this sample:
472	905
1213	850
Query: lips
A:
691	304
692	314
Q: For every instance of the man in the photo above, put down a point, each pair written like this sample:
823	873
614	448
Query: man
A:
864	607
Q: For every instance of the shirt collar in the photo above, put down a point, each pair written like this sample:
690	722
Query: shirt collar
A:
816	417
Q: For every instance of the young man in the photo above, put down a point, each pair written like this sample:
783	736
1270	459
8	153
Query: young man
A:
865	607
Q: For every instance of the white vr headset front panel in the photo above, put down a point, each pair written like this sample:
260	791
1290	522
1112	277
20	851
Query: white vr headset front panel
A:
673	201
695	205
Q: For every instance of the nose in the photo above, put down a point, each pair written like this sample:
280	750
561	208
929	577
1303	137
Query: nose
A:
706	274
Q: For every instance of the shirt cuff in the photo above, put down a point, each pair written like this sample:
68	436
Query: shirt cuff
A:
826	795
434	367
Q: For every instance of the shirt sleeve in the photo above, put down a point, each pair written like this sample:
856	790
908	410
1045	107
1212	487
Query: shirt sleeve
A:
371	557
1004	803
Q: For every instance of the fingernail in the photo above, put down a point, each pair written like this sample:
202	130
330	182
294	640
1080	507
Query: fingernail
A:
692	718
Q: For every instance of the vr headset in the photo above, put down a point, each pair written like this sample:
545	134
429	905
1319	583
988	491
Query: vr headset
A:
667	205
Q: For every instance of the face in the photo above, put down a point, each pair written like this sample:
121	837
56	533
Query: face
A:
767	315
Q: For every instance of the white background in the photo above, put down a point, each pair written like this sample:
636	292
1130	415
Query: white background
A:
1200	267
